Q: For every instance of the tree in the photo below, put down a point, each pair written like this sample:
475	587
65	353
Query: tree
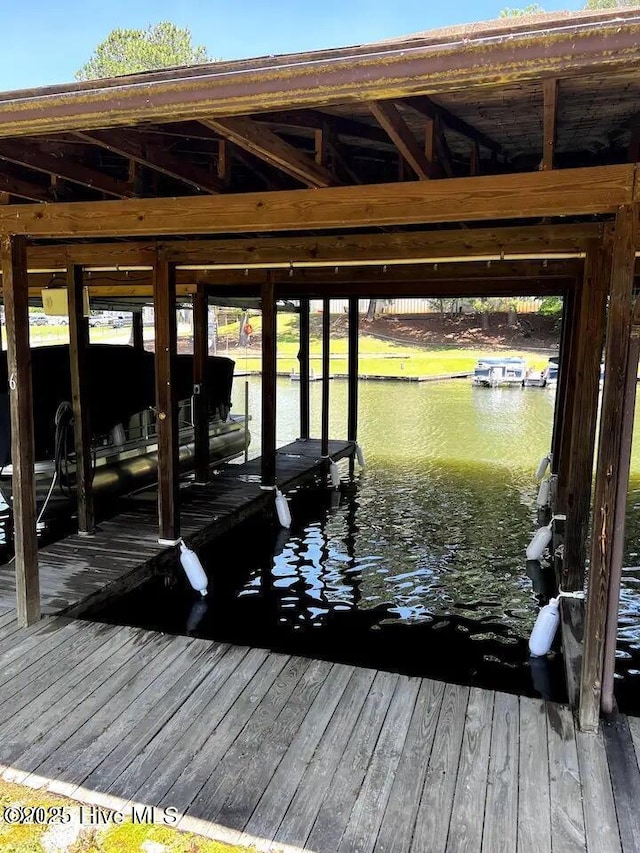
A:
531	9
161	45
609	4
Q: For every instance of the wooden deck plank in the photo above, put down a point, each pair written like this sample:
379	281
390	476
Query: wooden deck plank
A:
293	755
224	790
601	823
319	688
396	830
86	736
188	783
316	779
625	780
567	817
131	745
467	815
333	815
364	822
634	728
114	674
160	762
534	803
134	717
434	812
32	681
501	808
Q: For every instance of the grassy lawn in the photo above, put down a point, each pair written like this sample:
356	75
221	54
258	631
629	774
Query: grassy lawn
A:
123	838
377	357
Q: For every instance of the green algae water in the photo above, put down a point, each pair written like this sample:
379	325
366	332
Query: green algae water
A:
416	563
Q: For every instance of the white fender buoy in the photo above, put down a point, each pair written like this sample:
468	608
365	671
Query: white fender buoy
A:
542	467
359	455
543	493
282	508
193	569
334	474
545	628
539	543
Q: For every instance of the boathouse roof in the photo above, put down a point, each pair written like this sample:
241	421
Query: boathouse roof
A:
254	124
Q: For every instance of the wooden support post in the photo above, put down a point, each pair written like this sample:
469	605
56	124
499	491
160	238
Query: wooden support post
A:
610	479
269	363
16	307
164	305
583	376
137	330
326	375
303	359
200	388
352	417
550	92
78	345
617	556
564	401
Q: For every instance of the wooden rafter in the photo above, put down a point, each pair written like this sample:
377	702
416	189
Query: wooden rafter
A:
311	120
427	107
550	109
154	155
24	189
268	146
62	167
387	115
561	192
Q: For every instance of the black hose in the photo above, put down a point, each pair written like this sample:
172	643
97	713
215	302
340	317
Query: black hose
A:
63	421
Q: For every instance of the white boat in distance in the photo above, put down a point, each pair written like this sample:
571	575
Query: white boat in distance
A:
498	371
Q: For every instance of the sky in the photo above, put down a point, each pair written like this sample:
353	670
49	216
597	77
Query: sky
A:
47	41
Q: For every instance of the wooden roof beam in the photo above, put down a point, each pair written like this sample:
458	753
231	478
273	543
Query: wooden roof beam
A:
438	245
268	146
316	120
24	189
424	105
63	167
154	155
387	115
549	110
561	192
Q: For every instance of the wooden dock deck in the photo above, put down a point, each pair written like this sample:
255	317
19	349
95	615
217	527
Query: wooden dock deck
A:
288	753
284	752
125	547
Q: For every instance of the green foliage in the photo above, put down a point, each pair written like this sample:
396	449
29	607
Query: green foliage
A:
550	306
609	4
531	9
161	45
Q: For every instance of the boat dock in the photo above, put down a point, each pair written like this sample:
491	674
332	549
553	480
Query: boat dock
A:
287	753
281	752
125	548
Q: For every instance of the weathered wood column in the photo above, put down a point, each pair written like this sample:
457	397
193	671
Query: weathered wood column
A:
16	308
268	382
610	479
326	375
303	360
137	330
352	404
617	556
164	311
583	377
200	388
564	401
78	363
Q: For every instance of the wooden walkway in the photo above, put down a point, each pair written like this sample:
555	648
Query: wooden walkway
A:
289	753
126	547
282	752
